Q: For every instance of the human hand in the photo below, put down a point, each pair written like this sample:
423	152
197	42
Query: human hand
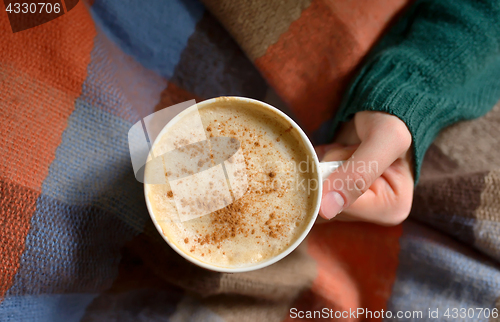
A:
376	182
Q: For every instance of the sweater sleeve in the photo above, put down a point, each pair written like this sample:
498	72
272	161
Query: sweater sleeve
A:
438	65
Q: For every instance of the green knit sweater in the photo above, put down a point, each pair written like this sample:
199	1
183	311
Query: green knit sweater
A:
438	65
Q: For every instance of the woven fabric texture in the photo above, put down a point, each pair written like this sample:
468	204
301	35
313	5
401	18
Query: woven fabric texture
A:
76	240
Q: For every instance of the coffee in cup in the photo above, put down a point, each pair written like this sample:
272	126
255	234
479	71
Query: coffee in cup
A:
279	184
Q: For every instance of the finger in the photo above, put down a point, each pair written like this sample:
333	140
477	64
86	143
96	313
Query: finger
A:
339	153
334	152
322	149
389	199
373	156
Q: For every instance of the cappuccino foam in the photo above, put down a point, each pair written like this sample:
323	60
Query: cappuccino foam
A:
278	202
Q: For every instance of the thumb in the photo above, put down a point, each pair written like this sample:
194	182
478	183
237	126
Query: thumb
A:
373	156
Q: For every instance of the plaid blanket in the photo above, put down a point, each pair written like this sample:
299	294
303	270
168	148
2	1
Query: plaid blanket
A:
76	241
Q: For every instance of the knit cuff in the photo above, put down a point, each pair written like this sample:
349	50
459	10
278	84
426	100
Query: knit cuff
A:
391	86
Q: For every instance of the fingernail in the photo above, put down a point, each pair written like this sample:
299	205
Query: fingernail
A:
332	204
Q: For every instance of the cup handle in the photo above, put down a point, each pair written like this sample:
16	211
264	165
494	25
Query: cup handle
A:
327	168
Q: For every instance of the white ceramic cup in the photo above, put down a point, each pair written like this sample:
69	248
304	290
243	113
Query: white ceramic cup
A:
325	169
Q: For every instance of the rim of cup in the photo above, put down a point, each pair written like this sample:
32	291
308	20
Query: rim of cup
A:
298	240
